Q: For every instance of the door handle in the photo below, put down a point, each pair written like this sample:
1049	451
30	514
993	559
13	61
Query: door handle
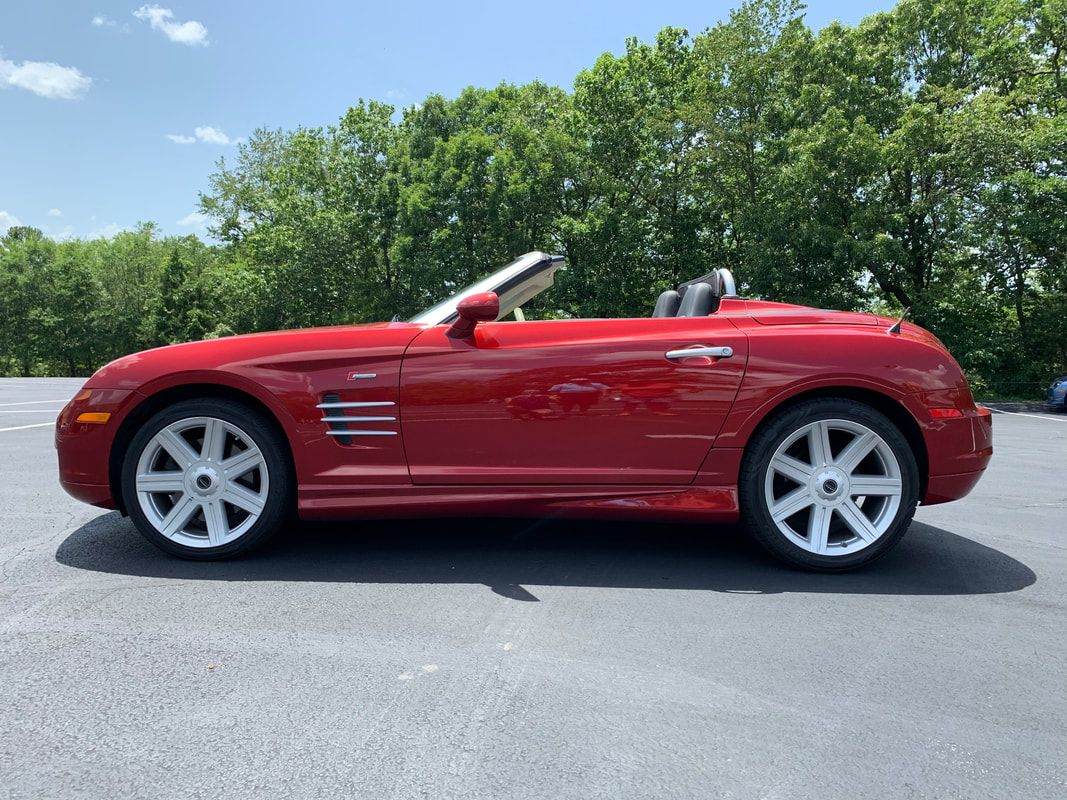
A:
700	350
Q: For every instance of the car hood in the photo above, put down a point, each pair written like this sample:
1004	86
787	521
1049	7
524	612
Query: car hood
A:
269	350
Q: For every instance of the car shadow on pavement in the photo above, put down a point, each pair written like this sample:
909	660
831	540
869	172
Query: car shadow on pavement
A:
513	557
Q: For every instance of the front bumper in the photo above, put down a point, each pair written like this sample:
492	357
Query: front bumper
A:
1057	397
84	449
94	494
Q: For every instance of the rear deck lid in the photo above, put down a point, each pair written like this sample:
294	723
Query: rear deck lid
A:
768	313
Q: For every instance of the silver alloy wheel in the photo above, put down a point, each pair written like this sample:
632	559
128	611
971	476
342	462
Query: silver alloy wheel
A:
833	487
202	482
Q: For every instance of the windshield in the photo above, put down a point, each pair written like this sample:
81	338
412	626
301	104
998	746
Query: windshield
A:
517	283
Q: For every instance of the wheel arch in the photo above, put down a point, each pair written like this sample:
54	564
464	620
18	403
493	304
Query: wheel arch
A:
159	400
884	403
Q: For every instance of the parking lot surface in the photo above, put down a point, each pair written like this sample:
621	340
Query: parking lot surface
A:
522	659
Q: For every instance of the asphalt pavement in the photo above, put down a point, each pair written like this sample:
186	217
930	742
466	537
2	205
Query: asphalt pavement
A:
532	659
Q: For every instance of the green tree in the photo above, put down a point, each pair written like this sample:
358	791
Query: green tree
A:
68	318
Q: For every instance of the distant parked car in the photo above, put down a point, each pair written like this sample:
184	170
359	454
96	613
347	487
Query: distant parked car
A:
1057	393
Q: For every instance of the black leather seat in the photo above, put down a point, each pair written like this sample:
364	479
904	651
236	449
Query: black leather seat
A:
697	301
667	304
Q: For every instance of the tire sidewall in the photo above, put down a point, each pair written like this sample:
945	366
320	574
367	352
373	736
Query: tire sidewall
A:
263	434
757	460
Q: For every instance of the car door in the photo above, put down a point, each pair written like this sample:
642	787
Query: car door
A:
568	401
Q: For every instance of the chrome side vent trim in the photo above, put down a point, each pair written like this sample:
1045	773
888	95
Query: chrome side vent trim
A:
336	403
358	419
361	433
341	425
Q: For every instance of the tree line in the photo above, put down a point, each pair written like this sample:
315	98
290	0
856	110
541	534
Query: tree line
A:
915	160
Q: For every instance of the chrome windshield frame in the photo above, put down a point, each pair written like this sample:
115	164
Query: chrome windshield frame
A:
506	279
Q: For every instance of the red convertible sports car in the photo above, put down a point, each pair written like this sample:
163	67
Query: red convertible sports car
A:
822	430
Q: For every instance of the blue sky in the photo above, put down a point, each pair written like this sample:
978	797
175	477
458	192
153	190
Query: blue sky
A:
115	112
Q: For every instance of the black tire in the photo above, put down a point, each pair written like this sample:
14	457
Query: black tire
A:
277	509
759	452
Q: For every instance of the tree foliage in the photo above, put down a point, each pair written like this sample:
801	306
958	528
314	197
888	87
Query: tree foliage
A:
914	160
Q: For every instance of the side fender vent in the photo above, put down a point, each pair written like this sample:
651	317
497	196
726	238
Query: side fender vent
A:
346	419
335	429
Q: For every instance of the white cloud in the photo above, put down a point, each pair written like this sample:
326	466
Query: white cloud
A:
106	231
45	78
212	135
162	19
8	221
55	212
104	21
195	219
206	134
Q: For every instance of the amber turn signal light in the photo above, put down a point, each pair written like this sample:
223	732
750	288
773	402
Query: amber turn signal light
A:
94	417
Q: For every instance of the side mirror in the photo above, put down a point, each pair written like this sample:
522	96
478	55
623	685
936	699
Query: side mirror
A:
483	307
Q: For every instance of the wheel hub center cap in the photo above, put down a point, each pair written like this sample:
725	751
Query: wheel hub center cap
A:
830	485
204	480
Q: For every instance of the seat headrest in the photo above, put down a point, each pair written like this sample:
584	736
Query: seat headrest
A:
667	304
697	301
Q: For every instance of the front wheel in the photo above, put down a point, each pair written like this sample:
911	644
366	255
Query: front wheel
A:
829	485
207	479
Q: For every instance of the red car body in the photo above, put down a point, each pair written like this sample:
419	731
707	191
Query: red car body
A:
565	417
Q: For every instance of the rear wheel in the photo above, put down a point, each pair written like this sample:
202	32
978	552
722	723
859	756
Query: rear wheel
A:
829	484
207	479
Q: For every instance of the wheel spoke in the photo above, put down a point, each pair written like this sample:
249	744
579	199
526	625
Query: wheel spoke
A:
238	495
160	482
792	468
790	504
874	485
819	528
215	517
237	465
857	521
179	515
176	447
857	450
214	440
819	444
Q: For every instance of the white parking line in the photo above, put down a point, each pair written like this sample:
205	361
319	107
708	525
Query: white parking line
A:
33	411
32	403
1032	416
24	427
